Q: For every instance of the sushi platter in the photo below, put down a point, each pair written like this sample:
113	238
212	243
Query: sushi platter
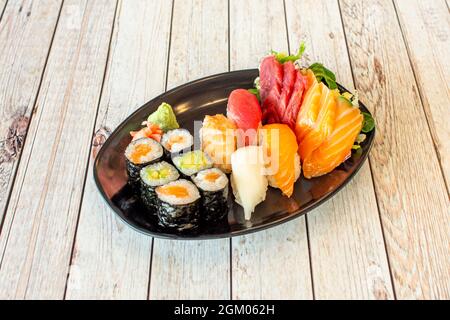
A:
236	152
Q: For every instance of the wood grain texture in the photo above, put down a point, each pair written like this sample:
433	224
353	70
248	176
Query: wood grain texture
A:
348	256
199	47
111	260
271	264
2	7
23	52
426	26
409	185
37	236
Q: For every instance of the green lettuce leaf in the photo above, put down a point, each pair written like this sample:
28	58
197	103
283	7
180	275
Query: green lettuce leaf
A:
323	74
283	57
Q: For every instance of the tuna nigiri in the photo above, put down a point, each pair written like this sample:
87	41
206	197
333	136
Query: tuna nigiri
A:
218	140
337	147
283	162
244	110
248	178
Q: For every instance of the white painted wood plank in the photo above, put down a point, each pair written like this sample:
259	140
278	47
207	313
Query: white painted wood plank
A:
410	188
26	30
271	264
199	47
37	237
111	260
426	26
346	242
2	6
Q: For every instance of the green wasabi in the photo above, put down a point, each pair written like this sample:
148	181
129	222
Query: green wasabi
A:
164	117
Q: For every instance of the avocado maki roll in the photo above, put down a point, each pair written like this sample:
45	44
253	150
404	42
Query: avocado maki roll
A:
140	153
178	205
176	141
213	186
153	176
192	162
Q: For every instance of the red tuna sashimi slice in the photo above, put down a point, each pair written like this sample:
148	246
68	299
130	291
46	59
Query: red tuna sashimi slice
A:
271	75
271	82
244	110
290	114
282	87
289	82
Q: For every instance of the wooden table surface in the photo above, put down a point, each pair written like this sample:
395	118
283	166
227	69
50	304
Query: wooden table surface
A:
72	70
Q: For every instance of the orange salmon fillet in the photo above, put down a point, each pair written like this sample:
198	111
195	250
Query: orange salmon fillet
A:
316	134
309	111
280	147
337	147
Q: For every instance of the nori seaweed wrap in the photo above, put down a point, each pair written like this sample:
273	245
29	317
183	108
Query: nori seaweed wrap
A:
153	176
213	186
178	205
138	154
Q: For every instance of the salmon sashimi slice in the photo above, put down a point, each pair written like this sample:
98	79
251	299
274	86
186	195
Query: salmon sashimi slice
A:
281	158
337	147
309	111
323	126
310	78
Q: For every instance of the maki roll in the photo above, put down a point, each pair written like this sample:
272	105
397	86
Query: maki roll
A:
192	162
140	153
153	176
178	205
176	141
213	186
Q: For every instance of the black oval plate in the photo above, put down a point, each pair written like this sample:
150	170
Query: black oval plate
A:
192	101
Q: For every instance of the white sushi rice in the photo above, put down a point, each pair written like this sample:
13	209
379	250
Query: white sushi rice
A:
188	140
156	150
171	174
219	184
187	164
193	193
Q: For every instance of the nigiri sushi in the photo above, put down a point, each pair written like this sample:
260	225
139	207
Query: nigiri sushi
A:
218	140
280	148
244	110
248	178
337	147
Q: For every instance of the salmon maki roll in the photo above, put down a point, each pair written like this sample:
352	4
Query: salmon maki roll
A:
281	158
337	147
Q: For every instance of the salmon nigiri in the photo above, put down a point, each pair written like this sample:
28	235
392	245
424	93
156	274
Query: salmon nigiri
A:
337	147
282	160
317	132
